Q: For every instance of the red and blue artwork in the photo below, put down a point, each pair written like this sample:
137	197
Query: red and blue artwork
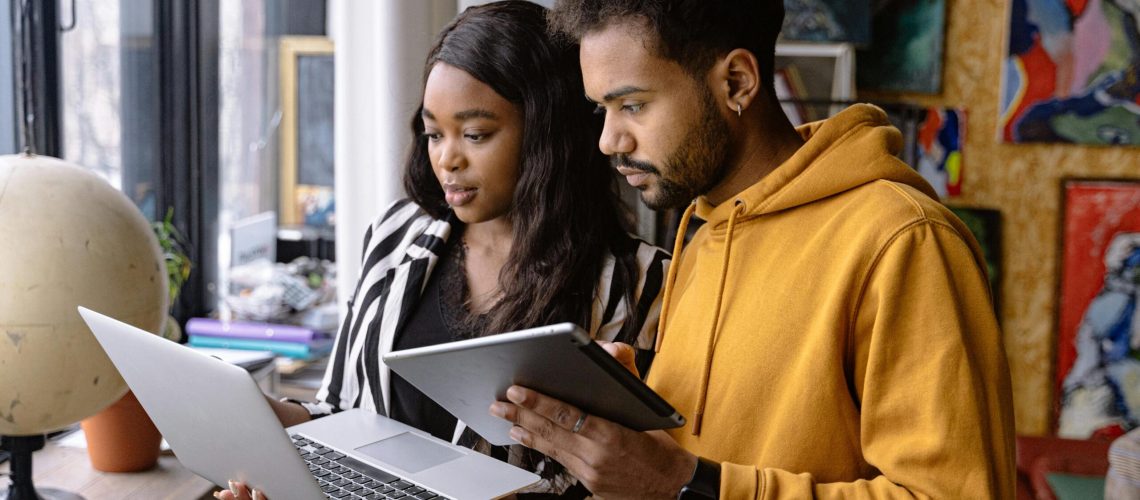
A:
1098	338
941	133
1072	74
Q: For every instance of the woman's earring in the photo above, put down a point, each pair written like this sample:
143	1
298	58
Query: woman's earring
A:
739	110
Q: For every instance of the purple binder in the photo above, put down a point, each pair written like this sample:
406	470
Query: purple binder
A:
208	327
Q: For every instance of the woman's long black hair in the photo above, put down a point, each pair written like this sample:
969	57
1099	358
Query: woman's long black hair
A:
566	212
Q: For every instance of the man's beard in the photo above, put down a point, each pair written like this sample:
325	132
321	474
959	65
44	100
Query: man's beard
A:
695	166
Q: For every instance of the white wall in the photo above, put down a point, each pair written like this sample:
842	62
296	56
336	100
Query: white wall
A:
380	51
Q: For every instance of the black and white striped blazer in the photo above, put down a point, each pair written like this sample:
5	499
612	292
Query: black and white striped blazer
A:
401	249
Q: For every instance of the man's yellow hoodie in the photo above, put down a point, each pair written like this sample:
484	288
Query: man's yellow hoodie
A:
829	333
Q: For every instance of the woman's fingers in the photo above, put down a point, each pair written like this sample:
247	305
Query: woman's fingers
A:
238	491
624	353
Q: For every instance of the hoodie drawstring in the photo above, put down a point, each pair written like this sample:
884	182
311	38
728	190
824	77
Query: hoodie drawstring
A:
714	334
671	277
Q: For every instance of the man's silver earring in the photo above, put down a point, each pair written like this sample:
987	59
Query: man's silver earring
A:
739	110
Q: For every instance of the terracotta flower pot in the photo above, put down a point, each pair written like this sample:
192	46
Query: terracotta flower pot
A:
122	437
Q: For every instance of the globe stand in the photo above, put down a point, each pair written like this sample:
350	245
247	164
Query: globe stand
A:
21	486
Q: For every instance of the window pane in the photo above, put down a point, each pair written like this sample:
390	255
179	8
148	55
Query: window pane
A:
248	114
109	67
8	142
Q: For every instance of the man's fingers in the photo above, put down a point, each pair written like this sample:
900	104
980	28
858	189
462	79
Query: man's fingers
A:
547	425
572	462
569	426
581	455
624	353
561	414
539	433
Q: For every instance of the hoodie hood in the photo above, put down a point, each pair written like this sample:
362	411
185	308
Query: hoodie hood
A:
853	148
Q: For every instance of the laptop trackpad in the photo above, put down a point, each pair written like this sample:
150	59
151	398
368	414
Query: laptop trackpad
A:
409	452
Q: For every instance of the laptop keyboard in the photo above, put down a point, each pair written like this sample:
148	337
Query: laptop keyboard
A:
344	477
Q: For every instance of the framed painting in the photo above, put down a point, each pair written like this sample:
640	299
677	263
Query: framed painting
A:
307	160
827	21
1071	73
940	136
1097	380
985	225
905	54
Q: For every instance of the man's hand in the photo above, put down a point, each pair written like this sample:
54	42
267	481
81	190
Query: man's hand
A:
611	461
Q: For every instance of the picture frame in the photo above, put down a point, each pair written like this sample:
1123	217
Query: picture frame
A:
1068	75
1097	375
307	126
938	141
906	49
986	226
827	21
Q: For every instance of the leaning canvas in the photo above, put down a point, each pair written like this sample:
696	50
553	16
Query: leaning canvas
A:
905	54
827	21
1072	73
1098	339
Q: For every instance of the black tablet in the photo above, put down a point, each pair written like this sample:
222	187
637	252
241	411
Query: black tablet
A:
560	361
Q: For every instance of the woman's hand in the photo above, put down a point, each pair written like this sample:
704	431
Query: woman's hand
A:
624	353
289	414
239	491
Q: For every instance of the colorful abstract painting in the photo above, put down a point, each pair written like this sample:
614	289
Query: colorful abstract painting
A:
316	205
985	224
1072	72
827	21
1098	349
941	134
905	54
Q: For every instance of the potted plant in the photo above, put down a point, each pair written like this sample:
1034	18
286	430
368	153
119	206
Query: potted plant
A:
178	266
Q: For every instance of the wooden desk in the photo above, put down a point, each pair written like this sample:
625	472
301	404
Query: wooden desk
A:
67	468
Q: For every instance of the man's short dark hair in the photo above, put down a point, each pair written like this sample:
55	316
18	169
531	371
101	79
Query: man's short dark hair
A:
691	32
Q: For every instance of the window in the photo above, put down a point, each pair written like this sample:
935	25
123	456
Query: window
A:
110	96
137	104
8	141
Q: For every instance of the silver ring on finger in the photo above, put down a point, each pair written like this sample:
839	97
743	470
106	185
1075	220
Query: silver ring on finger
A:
578	425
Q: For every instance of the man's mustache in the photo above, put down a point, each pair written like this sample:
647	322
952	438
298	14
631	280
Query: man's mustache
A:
621	160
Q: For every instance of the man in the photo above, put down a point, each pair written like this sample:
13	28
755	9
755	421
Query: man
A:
828	332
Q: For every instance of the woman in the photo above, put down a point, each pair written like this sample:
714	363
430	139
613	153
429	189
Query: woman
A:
513	221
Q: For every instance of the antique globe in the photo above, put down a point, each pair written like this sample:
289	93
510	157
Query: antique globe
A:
67	238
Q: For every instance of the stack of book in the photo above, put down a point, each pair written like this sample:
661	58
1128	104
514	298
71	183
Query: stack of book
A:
283	340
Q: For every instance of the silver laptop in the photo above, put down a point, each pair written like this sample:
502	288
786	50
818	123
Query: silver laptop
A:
220	426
